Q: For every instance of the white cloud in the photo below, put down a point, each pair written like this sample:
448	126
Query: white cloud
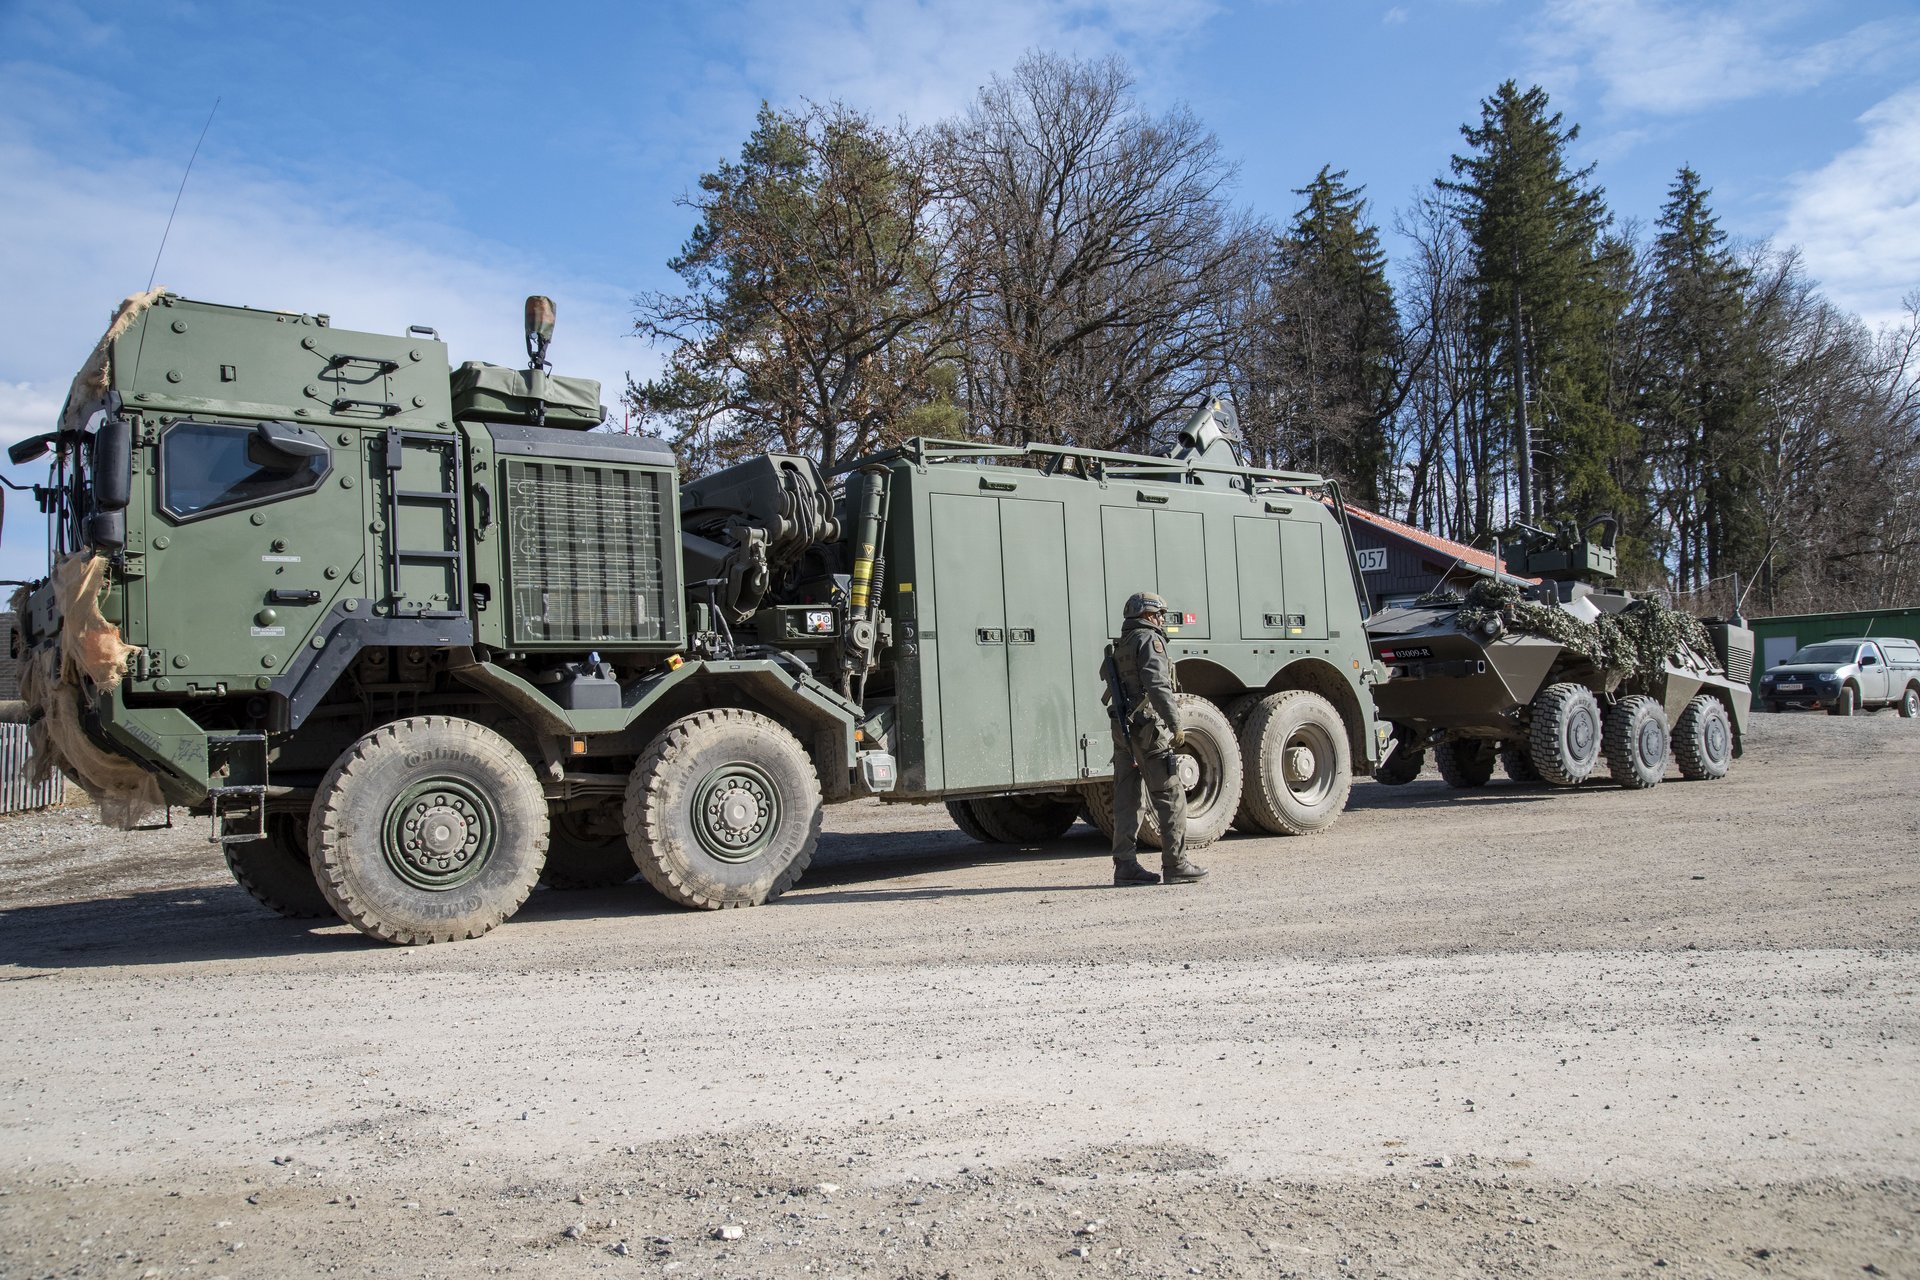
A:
1395	16
1857	219
924	60
1661	57
77	234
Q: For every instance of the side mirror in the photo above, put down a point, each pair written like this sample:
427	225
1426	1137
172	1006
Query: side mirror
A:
24	451
113	465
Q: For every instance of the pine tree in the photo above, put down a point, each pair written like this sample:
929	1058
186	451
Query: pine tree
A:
1334	341
1699	409
1544	310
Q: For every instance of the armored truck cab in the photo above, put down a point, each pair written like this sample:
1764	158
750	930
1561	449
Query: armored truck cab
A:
413	637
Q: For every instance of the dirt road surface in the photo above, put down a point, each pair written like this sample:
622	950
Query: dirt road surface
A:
1517	1031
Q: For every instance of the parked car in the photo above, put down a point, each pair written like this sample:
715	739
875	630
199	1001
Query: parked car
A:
1846	676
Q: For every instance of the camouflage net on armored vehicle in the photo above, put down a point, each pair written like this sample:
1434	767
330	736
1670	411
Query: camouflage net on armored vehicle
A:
1631	646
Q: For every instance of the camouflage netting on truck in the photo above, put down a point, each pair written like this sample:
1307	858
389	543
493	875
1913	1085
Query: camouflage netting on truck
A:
58	682
1631	646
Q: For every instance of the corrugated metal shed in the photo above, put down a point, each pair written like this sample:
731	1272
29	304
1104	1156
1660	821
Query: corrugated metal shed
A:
1777	637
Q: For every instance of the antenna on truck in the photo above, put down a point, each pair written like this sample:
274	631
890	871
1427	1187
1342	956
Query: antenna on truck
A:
151	275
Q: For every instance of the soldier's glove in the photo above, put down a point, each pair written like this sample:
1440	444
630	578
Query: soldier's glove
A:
1179	738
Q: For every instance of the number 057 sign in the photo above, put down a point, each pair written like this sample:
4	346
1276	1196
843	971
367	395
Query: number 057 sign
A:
1372	559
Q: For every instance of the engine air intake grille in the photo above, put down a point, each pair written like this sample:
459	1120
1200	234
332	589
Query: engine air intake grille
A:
585	552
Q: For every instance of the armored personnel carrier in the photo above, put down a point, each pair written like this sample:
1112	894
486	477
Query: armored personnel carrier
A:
1554	675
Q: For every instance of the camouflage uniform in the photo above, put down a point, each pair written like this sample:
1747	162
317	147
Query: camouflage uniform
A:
1143	749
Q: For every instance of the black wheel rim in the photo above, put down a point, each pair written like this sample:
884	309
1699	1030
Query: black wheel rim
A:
440	833
736	812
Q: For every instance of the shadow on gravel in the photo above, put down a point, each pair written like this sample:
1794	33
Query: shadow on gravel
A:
161	927
1438	795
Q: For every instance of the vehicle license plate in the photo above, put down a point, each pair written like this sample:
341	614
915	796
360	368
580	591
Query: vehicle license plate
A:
1788	686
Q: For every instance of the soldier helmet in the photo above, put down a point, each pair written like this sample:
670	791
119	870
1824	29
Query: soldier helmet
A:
1141	603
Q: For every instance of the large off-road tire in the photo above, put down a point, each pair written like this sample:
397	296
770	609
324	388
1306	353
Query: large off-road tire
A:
1634	741
1516	761
723	810
427	830
1565	737
965	818
1238	710
1298	767
1847	704
1032	818
1909	703
1406	762
277	871
1212	768
1703	739
1465	763
587	849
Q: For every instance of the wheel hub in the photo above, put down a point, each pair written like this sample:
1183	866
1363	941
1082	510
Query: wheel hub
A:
1653	743
1716	737
439	834
736	812
1188	770
1300	764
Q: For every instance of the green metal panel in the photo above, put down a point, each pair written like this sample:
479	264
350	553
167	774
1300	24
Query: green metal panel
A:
1180	562
1131	561
587	553
969	624
1040	641
1303	552
1263	601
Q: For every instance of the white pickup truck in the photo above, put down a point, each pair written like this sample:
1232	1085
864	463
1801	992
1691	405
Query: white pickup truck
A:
1846	676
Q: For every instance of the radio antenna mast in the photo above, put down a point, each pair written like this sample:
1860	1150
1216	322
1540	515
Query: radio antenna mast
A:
176	196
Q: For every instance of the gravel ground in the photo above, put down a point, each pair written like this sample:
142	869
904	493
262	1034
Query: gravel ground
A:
1517	1031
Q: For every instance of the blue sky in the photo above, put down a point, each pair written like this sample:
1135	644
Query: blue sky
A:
393	164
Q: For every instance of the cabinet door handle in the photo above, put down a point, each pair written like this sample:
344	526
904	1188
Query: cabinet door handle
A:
989	635
1020	635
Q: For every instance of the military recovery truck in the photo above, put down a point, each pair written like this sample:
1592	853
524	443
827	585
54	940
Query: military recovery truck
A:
413	637
1552	676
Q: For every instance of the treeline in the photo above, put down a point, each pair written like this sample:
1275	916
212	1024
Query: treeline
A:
1058	264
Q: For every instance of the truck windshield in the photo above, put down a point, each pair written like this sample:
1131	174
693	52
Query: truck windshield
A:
1826	653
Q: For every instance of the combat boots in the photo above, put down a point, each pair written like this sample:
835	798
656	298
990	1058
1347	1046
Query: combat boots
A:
1128	872
1179	869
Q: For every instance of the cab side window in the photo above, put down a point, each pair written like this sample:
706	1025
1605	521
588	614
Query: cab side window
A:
208	467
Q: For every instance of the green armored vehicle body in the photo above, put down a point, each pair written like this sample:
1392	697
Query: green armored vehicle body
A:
1552	677
414	637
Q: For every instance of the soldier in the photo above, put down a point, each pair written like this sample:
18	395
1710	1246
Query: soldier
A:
1146	732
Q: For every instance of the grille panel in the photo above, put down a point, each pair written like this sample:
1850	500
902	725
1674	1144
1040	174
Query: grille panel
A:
585	553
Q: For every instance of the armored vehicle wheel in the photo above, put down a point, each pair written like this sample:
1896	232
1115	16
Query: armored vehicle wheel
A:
1703	739
1565	740
1298	766
587	850
1209	766
1464	762
723	810
1848	703
276	870
1238	710
1025	819
1635	742
1406	762
964	817
428	830
1516	761
1910	703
